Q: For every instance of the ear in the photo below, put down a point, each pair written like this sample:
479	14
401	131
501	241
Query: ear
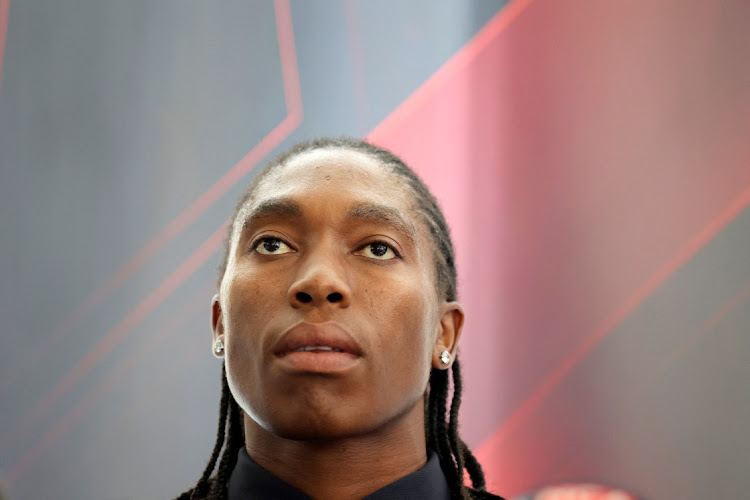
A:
217	324
450	328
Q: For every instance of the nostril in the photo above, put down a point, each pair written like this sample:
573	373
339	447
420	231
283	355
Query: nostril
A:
303	297
334	297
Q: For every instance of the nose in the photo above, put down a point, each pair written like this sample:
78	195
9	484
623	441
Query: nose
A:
320	281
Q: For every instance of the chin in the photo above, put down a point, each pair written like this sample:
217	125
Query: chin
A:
310	433
311	425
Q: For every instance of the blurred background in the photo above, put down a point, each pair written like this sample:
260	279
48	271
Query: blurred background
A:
593	160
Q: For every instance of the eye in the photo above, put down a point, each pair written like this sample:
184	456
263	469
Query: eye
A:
378	250
271	246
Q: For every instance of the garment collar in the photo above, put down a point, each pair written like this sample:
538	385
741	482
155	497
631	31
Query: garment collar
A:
250	481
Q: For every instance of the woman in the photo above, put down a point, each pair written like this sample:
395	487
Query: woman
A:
338	324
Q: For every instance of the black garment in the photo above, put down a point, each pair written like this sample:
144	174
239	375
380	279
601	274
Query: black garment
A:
250	481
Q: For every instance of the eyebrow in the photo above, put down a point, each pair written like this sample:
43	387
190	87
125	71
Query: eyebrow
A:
275	207
365	212
372	212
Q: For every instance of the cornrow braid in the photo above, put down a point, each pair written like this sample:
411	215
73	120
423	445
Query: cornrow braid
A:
235	440
441	435
203	484
230	440
454	454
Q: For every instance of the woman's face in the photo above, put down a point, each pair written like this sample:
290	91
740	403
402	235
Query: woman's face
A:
328	307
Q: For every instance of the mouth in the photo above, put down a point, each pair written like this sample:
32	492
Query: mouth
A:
317	338
317	348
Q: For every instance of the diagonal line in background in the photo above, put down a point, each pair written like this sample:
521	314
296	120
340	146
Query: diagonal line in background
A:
527	407
177	369
699	333
458	62
112	338
293	99
650	380
64	424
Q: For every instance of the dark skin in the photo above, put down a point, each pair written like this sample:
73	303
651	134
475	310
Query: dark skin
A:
330	247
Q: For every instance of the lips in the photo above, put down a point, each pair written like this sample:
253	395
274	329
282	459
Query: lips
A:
328	338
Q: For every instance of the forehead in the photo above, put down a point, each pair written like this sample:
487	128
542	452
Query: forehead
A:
337	169
339	176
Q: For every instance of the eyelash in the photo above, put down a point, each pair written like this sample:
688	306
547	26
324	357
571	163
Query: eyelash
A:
389	245
256	243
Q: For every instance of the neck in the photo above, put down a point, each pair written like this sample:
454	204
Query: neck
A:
343	468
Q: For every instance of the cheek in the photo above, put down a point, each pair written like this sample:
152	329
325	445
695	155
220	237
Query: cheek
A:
246	307
406	327
248	297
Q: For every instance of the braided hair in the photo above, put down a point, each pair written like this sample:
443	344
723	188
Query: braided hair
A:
441	430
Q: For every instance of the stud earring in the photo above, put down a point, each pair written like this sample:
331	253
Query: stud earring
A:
218	348
445	357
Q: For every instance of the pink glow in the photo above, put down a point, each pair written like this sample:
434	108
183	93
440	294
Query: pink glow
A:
490	452
560	196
